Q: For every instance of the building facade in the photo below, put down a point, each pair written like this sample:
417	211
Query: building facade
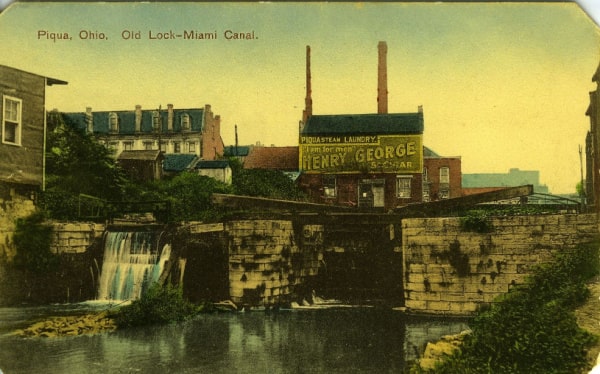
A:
23	126
172	131
513	178
593	147
442	176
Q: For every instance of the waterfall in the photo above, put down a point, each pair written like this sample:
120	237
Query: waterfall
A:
132	263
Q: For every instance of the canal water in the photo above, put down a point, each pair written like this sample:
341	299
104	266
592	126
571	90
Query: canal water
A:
337	340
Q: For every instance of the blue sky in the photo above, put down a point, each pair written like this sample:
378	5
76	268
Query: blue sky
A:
502	85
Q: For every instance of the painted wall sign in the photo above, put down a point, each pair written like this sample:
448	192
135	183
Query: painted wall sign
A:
349	154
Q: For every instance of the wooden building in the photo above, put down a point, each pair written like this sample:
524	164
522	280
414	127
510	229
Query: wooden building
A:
23	126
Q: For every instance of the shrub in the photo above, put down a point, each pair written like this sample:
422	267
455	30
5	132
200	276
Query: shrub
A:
532	328
159	305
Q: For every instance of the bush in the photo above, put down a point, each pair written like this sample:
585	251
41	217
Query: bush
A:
532	328
32	240
159	305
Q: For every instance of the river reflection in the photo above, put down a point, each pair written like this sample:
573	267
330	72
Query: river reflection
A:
348	340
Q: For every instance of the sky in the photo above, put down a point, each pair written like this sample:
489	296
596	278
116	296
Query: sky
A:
502	85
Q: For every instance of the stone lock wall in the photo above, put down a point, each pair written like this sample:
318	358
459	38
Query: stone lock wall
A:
75	237
270	259
450	271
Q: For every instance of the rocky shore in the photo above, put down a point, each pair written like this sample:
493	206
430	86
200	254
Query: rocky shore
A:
437	351
70	326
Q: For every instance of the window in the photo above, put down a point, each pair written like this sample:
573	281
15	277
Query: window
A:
329	186
444	183
148	146
176	147
425	176
163	147
191	147
11	120
403	187
445	175
113	122
185	121
128	146
425	185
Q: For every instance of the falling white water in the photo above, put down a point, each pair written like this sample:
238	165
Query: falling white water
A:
132	263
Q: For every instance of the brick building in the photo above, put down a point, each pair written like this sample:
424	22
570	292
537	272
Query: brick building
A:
371	160
592	189
172	131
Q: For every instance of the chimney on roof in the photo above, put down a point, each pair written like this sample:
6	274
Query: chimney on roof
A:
89	119
382	92
170	117
308	100
138	118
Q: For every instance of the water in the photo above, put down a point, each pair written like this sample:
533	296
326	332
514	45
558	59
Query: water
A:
132	262
347	340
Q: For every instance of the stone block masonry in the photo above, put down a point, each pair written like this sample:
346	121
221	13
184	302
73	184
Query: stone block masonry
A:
266	262
451	271
75	237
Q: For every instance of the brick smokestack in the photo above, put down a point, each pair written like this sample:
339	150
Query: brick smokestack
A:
89	119
308	100
382	92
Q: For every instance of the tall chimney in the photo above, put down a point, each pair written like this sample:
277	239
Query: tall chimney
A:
308	100
382	92
90	119
138	118
170	117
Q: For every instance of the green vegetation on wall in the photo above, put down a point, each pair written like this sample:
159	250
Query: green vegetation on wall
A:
32	239
532	328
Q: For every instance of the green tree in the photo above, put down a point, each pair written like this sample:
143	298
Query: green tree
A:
263	183
77	164
190	196
32	239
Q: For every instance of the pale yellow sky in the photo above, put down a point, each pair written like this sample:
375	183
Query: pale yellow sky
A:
502	85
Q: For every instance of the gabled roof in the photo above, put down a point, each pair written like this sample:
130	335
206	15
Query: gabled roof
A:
126	120
177	162
140	155
399	123
273	158
212	164
427	152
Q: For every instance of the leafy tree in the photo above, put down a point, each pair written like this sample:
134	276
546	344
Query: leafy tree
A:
32	239
263	183
190	196
77	164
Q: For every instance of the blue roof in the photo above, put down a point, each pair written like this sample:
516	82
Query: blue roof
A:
399	123
126	120
177	161
215	164
240	150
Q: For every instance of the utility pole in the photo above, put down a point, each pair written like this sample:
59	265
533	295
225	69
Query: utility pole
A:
582	192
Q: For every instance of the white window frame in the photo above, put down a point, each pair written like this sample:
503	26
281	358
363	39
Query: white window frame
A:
445	175
176	147
185	122
148	145
17	122
404	186
128	145
113	122
191	147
